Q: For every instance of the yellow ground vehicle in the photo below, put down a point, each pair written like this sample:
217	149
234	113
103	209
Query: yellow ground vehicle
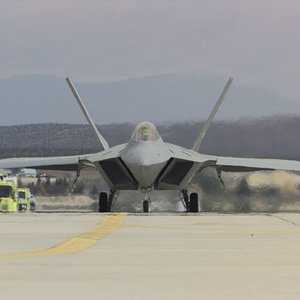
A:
24	199
8	195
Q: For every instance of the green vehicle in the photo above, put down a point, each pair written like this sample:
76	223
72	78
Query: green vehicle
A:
24	199
8	196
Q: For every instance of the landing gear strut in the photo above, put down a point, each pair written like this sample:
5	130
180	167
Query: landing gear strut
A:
185	199
112	197
220	176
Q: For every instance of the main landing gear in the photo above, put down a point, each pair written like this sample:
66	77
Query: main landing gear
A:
106	201
191	202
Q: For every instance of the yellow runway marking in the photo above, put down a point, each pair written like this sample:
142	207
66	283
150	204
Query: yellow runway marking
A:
79	243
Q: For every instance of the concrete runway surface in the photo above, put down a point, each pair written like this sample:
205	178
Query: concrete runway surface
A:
156	256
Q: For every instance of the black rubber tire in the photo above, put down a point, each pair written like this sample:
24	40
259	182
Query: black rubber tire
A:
146	206
194	205
103	202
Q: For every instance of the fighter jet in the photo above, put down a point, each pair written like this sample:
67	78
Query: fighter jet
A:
147	163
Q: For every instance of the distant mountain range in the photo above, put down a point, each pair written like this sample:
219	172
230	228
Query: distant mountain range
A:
273	137
162	98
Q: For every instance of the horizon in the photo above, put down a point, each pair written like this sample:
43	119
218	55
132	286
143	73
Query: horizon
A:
165	98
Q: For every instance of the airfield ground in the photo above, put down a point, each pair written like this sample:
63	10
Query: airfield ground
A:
156	256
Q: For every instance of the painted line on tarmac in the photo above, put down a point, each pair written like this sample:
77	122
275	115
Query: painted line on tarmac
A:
283	219
76	244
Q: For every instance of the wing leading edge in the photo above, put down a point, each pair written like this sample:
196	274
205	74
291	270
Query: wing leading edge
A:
234	164
108	163
184	164
66	163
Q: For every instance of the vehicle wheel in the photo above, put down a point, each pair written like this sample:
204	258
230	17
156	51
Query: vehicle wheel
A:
146	206
32	206
103	202
194	205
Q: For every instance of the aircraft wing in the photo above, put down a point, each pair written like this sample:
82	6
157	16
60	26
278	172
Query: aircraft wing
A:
184	164
65	163
68	163
234	164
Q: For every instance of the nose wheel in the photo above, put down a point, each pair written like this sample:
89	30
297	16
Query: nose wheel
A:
146	204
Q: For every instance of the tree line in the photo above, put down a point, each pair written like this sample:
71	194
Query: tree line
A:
273	137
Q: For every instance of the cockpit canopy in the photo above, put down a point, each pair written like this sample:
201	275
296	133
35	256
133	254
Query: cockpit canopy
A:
145	131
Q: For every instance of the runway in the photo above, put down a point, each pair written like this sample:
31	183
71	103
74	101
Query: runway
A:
156	256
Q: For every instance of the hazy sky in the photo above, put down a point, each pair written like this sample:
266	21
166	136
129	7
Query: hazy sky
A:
256	41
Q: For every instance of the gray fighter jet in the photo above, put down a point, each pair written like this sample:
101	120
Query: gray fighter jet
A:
147	163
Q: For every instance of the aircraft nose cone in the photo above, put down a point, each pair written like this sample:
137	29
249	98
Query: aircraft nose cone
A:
145	153
145	168
145	175
145	161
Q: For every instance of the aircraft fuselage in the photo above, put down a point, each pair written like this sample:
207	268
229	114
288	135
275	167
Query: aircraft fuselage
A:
145	160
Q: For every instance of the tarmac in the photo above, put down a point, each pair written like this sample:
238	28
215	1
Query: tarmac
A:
155	256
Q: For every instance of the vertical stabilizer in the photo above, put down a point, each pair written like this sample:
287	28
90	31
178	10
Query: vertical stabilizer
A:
101	140
207	124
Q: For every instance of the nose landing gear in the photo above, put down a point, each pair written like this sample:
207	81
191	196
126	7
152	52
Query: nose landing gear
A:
146	204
